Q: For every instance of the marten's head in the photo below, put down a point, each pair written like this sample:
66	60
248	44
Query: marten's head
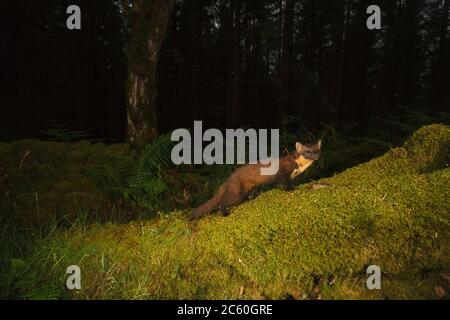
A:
309	151
305	155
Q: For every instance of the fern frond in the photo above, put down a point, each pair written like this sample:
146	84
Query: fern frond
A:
154	157
137	182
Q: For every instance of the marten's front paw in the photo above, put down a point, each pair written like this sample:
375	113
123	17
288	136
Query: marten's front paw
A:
288	188
225	212
193	217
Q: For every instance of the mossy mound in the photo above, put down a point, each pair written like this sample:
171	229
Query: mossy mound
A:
393	211
41	179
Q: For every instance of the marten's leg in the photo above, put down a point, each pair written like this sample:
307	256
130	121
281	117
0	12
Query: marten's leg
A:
224	210
286	183
252	194
230	199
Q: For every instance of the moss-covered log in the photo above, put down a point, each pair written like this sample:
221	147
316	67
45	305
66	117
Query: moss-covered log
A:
393	211
148	21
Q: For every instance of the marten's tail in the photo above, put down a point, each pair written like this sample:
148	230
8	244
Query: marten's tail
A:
209	206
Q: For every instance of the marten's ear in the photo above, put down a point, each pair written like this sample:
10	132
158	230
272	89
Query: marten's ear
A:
319	144
299	147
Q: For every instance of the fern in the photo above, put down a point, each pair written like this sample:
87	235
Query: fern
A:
138	182
109	176
59	132
152	159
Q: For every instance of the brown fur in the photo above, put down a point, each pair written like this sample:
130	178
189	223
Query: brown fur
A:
247	178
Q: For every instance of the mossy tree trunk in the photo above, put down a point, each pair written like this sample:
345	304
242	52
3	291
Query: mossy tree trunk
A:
148	21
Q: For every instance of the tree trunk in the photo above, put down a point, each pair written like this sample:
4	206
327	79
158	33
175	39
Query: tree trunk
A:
148	24
195	17
286	60
356	104
280	27
312	39
440	98
233	64
342	61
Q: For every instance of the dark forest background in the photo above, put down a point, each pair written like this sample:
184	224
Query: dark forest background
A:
235	63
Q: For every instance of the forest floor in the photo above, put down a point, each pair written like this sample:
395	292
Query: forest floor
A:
313	243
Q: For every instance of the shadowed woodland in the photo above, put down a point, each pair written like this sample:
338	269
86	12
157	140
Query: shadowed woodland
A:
86	176
228	63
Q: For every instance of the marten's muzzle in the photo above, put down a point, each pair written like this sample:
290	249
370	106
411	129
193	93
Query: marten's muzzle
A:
311	156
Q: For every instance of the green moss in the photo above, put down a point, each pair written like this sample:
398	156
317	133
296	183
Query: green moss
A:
46	179
393	211
430	148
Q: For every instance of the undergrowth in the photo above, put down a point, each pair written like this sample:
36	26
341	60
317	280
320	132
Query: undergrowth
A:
392	211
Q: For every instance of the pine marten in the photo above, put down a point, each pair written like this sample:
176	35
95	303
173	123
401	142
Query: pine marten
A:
245	179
